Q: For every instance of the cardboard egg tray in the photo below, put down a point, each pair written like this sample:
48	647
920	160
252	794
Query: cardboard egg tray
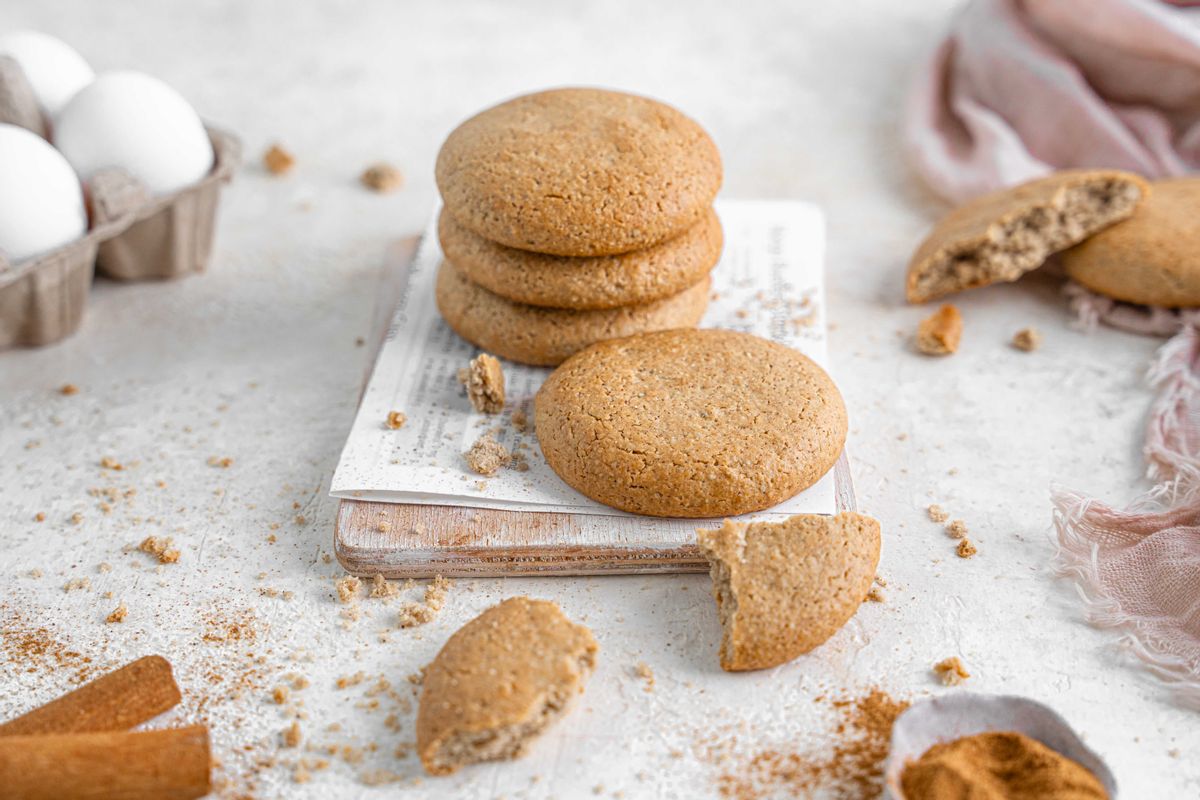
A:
132	235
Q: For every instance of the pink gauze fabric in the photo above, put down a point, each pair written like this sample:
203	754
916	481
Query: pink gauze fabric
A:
1020	88
1138	570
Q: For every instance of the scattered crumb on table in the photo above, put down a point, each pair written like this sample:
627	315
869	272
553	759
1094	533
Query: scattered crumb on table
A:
940	333
487	455
118	614
277	160
382	177
951	671
395	420
937	513
966	549
1027	339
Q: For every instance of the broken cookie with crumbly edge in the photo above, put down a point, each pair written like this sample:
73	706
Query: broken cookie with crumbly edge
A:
1003	235
498	682
939	333
783	588
484	379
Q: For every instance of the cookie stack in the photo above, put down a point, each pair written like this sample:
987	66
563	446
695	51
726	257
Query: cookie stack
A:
573	216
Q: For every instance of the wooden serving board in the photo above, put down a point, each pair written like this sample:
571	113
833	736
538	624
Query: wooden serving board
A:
408	540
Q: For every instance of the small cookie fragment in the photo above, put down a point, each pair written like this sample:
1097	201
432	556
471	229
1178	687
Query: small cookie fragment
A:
160	548
951	671
966	549
937	513
395	420
413	614
487	455
498	682
277	160
484	379
940	333
382	177
68	389
1027	339
118	614
348	588
957	529
292	737
783	588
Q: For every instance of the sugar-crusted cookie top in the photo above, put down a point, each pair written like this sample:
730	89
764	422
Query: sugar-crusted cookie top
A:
578	172
690	423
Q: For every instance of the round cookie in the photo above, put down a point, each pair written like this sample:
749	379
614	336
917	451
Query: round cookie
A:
585	283
578	172
1152	258
548	336
690	423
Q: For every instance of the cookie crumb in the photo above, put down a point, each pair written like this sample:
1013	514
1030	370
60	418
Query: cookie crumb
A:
413	614
77	583
484	380
1027	340
348	588
643	671
937	513
875	595
957	529
520	420
292	736
951	670
395	420
68	389
382	177
277	160
966	549
118	614
940	333
40	516
382	589
487	455
108	462
160	548
224	462
279	695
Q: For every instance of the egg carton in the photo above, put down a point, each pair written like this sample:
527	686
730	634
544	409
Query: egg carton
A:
132	235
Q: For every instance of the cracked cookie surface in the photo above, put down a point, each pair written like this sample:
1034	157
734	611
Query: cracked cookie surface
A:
690	423
578	172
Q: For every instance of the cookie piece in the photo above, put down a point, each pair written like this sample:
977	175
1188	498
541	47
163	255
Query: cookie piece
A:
782	588
690	423
940	332
484	381
585	283
1003	235
578	172
547	336
1151	258
498	682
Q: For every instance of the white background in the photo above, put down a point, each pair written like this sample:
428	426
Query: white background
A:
803	101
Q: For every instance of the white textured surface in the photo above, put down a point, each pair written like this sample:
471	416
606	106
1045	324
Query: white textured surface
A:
257	361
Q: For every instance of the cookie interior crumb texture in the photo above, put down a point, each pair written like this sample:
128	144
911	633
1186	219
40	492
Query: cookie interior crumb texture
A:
939	333
487	455
484	378
500	681
783	588
1027	339
1003	235
951	671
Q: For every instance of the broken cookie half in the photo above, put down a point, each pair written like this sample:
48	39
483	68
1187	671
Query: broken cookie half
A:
1003	235
499	681
783	588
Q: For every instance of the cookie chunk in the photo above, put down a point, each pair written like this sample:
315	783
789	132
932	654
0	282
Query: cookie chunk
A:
547	336
1151	258
783	588
940	333
1003	235
690	423
484	381
578	172
498	682
585	283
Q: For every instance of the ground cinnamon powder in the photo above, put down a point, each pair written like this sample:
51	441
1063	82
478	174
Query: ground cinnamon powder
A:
998	765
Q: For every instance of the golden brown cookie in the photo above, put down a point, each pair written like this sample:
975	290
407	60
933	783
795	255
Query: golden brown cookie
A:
782	588
690	423
547	336
585	283
1152	258
1003	235
578	172
498	682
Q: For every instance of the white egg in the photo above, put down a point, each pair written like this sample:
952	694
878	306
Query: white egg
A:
41	201
137	123
54	69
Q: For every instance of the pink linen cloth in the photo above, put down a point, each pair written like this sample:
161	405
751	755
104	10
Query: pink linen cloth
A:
1138	570
1020	88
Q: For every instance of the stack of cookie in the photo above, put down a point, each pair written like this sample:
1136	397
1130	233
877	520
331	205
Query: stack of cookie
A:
573	216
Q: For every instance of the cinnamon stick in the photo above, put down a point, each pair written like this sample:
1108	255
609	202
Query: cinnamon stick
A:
129	696
170	764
